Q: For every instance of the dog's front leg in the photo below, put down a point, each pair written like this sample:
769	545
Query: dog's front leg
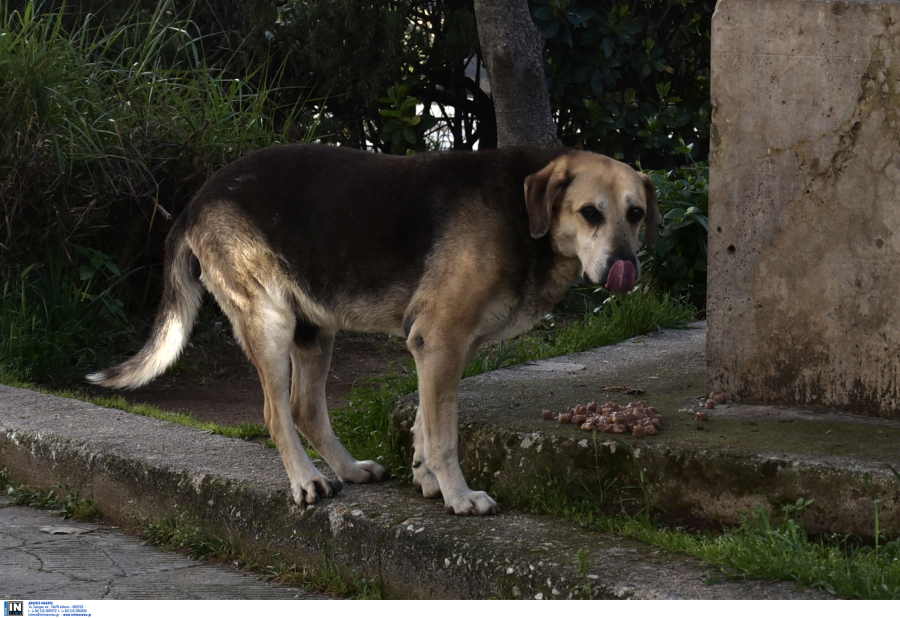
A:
440	362
423	479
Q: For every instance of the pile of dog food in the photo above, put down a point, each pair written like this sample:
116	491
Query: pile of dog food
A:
636	418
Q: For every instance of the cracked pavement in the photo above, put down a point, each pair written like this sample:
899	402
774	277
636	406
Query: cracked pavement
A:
98	561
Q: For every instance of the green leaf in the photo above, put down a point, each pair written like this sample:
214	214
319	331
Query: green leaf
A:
410	102
608	45
550	29
583	13
597	83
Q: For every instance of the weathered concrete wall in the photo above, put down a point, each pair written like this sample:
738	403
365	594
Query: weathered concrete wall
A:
804	279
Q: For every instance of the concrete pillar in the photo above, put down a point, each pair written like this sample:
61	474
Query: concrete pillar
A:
804	264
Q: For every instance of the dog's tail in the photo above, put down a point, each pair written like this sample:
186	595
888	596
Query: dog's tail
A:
182	294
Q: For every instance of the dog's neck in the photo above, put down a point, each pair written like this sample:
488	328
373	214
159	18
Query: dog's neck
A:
561	275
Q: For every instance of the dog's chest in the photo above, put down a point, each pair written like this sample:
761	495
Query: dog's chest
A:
513	314
517	320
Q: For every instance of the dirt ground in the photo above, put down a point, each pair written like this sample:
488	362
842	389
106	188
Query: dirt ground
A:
214	381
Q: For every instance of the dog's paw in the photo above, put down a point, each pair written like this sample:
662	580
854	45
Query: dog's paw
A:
424	480
472	503
363	472
315	489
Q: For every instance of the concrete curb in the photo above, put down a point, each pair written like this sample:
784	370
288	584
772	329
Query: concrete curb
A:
134	467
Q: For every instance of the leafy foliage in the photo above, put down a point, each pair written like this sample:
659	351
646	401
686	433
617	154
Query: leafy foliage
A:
677	265
344	55
55	325
404	129
630	79
60	500
107	131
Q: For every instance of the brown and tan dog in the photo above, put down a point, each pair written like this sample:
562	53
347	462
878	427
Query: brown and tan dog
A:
446	249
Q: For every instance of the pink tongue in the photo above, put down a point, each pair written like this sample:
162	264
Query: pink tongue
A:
621	277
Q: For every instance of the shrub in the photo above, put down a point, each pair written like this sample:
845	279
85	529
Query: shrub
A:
54	327
677	264
108	131
630	79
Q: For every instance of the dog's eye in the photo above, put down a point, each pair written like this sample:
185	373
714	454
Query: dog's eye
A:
635	215
592	215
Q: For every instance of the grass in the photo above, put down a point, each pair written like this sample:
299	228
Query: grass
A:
779	548
243	431
183	535
108	129
78	318
768	545
118	121
59	500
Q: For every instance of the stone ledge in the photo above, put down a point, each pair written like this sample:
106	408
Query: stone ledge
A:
137	467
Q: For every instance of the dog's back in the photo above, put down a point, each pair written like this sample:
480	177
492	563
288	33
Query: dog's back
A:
347	224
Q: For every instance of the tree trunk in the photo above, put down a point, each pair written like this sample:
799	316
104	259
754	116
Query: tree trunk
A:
513	56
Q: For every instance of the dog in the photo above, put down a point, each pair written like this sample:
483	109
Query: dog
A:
298	242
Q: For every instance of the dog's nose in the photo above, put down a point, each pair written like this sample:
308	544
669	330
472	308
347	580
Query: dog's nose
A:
622	257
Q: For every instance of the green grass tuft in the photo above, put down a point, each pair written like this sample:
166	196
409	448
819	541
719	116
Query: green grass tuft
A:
767	546
107	130
60	500
243	431
184	535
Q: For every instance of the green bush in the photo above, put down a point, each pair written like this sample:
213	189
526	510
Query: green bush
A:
54	327
677	264
107	131
630	79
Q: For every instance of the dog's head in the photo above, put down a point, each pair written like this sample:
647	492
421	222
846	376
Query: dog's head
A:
593	207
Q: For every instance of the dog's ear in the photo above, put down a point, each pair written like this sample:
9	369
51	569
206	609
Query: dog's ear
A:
651	220
541	191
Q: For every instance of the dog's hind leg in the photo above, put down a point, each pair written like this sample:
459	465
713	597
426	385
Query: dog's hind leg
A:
267	337
311	357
